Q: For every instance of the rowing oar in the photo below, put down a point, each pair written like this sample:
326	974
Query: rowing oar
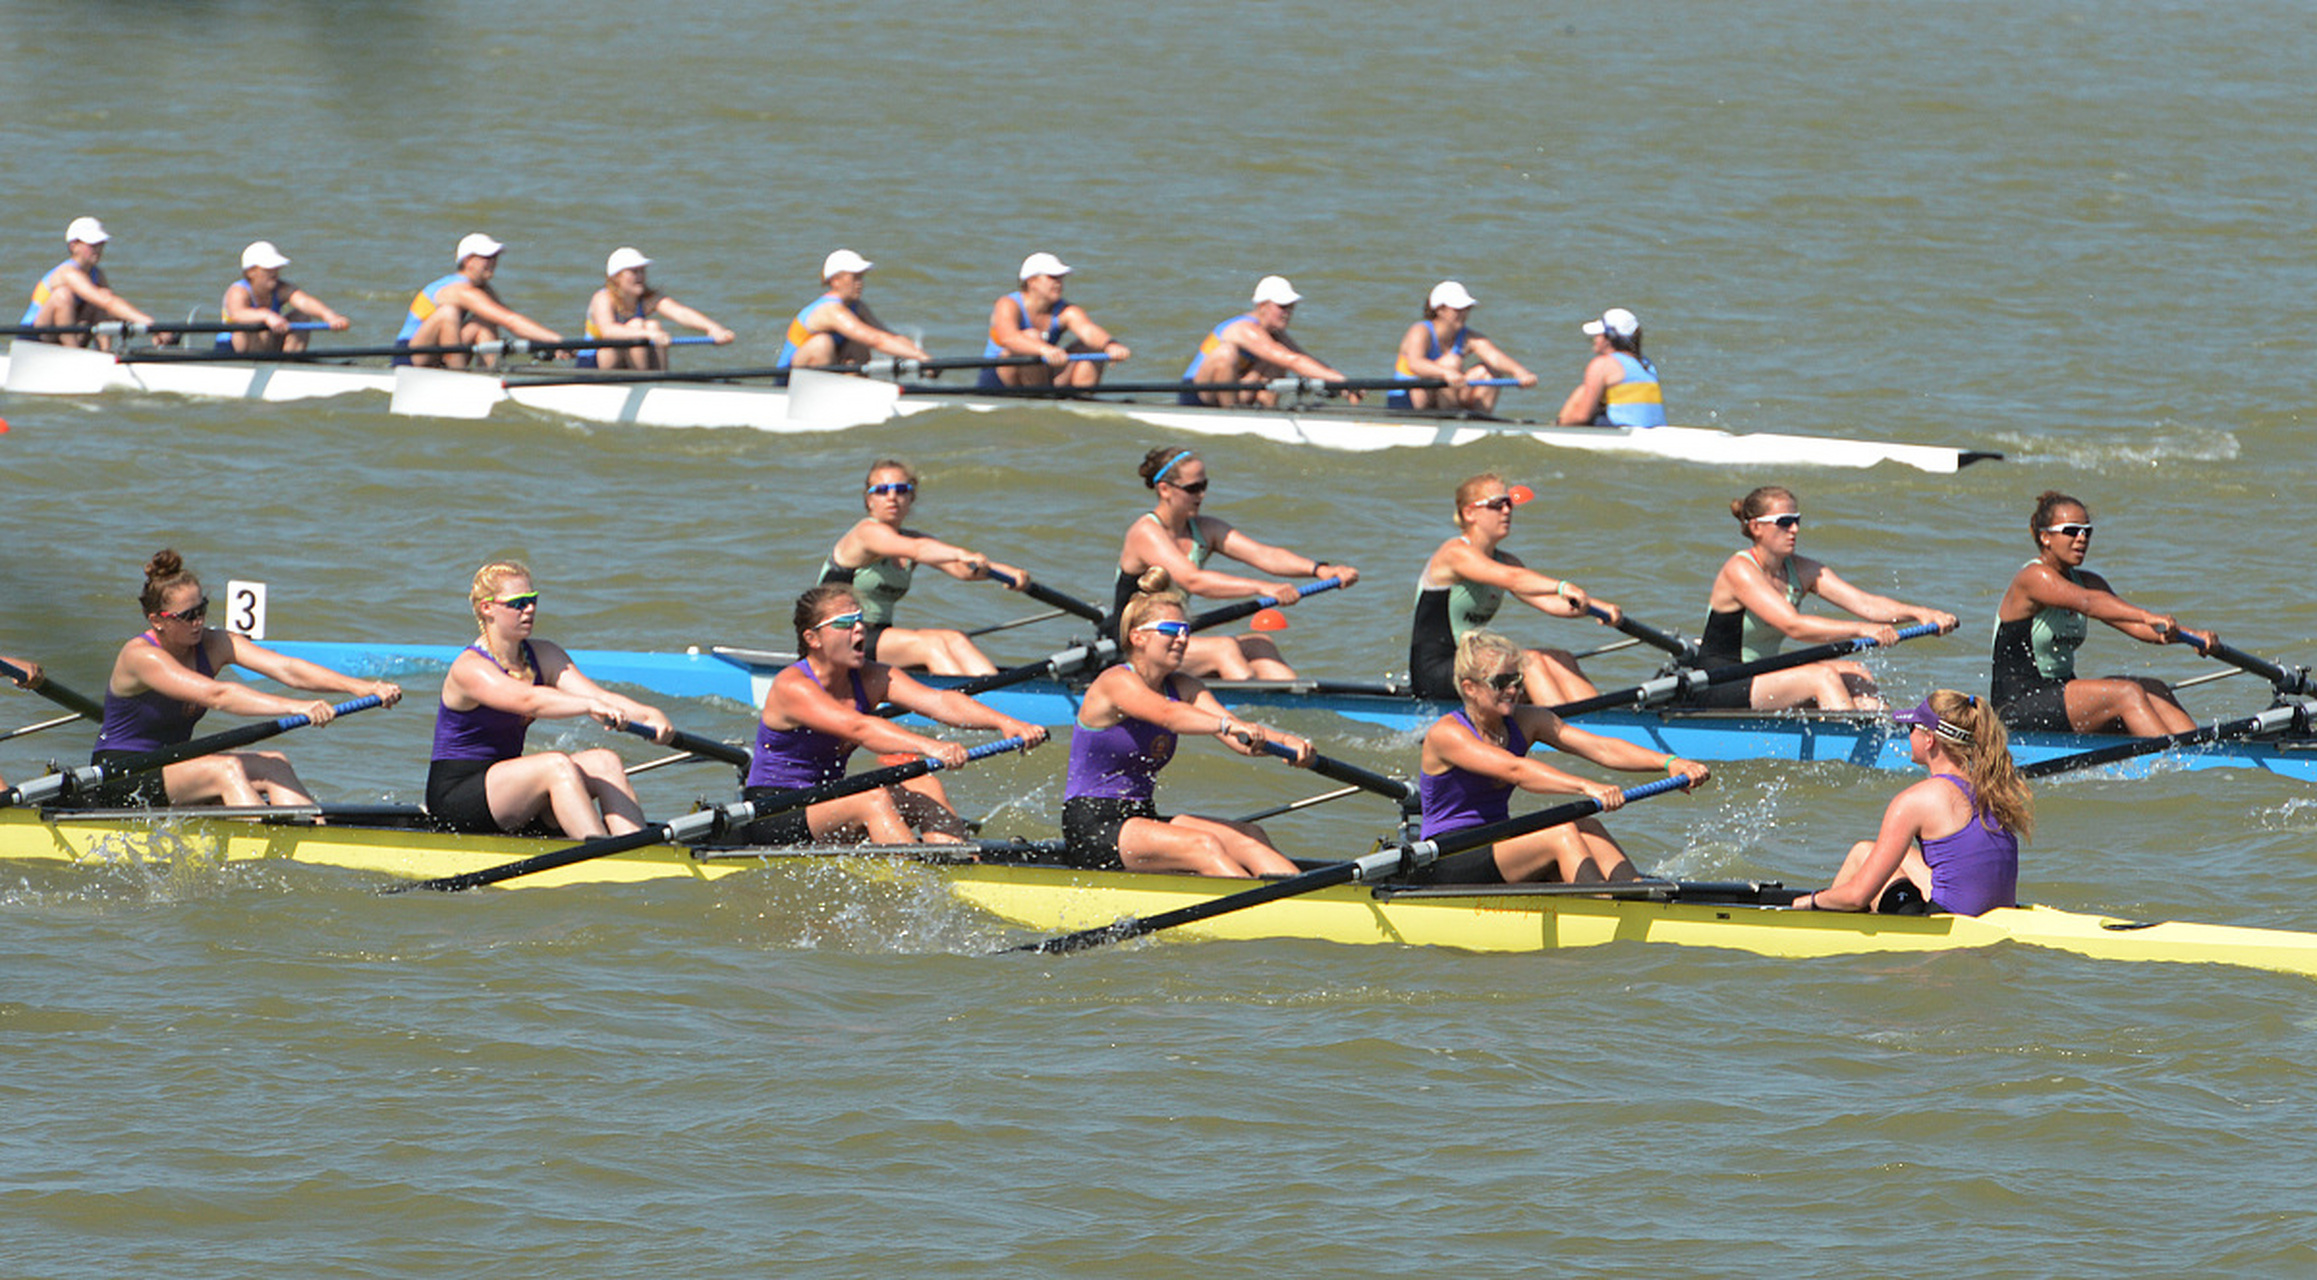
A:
1683	650
2286	679
704	822
1044	594
1345	772
1060	665
75	781
892	368
1234	612
1277	386
126	329
1691	681
694	744
2294	716
48	688
57	723
1379	865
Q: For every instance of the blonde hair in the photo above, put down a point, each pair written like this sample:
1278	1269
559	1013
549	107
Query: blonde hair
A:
1469	492
488	580
1481	650
2001	794
1154	590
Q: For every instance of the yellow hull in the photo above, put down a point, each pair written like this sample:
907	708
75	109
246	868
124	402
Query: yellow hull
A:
1053	901
407	854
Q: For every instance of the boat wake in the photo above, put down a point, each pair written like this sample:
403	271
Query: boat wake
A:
2123	450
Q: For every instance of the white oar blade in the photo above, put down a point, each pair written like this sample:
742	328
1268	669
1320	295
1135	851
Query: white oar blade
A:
46	369
836	400
445	393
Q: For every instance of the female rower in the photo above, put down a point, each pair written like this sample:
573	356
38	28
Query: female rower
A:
820	709
165	680
877	556
1443	346
1620	387
1949	843
1176	538
2041	621
1475	756
1465	582
480	780
261	296
627	306
1127	724
1752	611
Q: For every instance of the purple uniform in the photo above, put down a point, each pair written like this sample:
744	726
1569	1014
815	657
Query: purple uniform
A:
152	719
1460	799
1976	869
802	757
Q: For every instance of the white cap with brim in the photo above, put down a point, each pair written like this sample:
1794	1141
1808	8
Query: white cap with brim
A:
1042	264
1448	293
261	253
1275	289
86	231
842	261
1616	320
477	245
624	259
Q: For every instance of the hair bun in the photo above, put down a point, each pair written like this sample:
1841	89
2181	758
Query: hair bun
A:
166	563
1154	581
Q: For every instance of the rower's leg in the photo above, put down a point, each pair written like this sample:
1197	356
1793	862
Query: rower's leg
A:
1262	658
440	330
1217	658
609	788
1244	843
224	779
1147	844
2104	706
850	819
270	775
942	652
926	810
518	789
1814	682
1550	676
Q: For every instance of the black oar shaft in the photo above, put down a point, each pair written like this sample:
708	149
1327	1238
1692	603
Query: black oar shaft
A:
1666	688
711	748
118	767
56	693
2286	679
2274	720
1649	635
1044	594
1248	608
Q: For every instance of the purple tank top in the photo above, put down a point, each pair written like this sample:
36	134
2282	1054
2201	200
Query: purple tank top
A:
1460	799
485	733
1122	761
1976	869
152	719
801	757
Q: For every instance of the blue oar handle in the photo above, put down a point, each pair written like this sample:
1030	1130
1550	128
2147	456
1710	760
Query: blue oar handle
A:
1306	593
1097	356
346	708
986	750
1674	782
1914	632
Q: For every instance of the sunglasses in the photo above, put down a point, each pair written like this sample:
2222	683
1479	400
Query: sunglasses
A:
527	600
1501	502
1171	628
198	610
842	622
2070	530
899	488
1199	487
1502	681
1790	520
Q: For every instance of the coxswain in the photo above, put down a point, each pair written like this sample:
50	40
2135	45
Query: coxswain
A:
1254	345
1753	609
627	306
479	779
1444	346
261	296
74	292
1476	755
877	557
822	708
2041	621
1949	843
1619	387
1036	320
463	309
1464	584
165	679
838	327
1175	537
1128	721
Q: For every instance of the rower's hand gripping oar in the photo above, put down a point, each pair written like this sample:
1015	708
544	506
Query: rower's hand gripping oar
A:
1044	594
2288	680
1379	865
704	822
2293	717
78	780
1689	682
56	693
1241	609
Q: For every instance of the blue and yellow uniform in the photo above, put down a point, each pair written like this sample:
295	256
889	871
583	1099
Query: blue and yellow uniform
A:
46	289
1635	402
1432	351
280	300
800	330
1215	341
1052	336
586	358
423	305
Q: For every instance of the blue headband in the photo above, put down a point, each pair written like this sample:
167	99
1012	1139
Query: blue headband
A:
1162	471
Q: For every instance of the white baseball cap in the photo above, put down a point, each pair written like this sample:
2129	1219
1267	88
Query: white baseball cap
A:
842	261
623	258
1042	264
1616	320
1448	293
1276	289
476	245
261	253
86	231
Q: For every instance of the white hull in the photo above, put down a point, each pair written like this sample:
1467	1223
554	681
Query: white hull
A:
41	368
